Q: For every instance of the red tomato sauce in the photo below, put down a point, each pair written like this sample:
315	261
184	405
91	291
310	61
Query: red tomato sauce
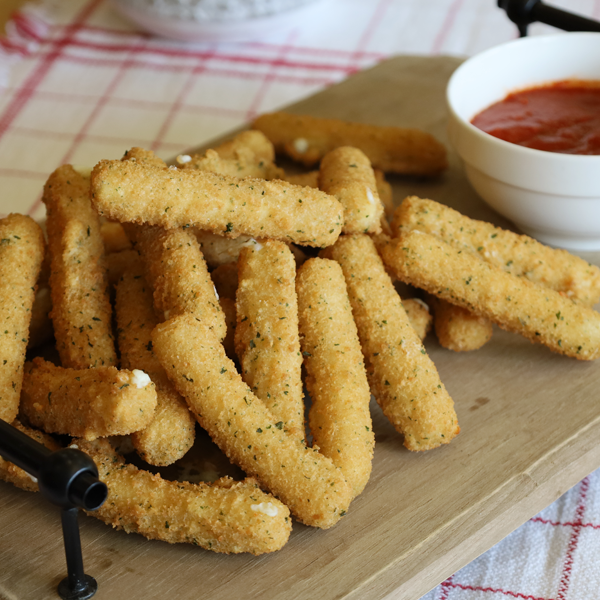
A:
561	117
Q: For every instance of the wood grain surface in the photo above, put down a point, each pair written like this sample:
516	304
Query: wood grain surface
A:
530	423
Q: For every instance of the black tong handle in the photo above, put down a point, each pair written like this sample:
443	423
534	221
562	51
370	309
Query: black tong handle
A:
525	12
69	479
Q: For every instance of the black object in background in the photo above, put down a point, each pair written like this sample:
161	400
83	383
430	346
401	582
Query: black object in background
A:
525	12
69	479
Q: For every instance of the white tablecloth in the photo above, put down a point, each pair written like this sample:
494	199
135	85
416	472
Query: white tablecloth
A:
78	83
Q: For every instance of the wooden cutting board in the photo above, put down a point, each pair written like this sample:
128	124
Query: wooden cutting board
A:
530	423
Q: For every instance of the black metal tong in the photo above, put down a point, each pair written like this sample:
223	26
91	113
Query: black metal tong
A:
525	12
69	479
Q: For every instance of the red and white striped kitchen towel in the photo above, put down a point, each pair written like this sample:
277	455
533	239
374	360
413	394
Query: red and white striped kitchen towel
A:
78	83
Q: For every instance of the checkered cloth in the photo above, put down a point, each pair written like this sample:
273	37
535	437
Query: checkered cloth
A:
78	83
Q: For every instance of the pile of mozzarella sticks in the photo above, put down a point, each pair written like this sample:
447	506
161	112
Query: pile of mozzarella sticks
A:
182	294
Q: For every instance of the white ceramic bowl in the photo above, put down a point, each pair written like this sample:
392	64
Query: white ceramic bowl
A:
552	197
217	21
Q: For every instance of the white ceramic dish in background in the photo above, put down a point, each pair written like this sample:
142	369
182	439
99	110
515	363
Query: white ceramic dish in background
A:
552	197
189	21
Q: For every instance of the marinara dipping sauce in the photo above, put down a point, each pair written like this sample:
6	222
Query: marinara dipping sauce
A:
560	117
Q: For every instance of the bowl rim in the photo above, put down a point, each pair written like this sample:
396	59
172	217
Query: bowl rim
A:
485	137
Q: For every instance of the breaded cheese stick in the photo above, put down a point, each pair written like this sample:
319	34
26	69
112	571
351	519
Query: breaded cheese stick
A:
81	311
392	149
418	315
145	157
339	418
347	175
517	254
172	431
266	336
21	254
516	304
10	473
176	270
384	189
252	141
313	488
457	328
226	516
403	378
218	250
133	192
245	164
114	237
87	403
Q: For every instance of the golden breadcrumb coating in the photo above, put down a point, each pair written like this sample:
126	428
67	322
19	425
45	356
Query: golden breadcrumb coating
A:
225	516
218	250
245	164
252	141
392	149
403	378
86	403
266	335
460	276
457	328
114	237
133	192
21	254
339	417
172	431
517	254
418	315
313	488
177	272
81	312
346	173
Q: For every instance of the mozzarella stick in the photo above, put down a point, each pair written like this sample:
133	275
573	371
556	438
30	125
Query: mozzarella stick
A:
10	473
245	164
418	315
133	192
347	175
517	254
21	254
87	403
81	311
392	149
247	141
226	516
266	335
114	237
403	378
516	304
313	488
172	431
339	418
457	328
177	272
218	250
